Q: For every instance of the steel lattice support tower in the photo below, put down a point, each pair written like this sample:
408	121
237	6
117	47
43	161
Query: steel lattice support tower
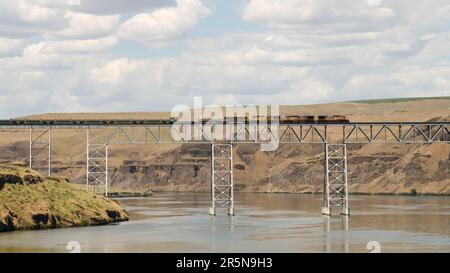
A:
335	191
222	177
40	150
96	166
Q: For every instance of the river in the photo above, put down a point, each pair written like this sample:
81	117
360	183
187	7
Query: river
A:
179	222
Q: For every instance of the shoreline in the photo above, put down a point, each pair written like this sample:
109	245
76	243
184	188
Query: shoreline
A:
118	195
418	194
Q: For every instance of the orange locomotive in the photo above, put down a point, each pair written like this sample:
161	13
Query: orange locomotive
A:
314	119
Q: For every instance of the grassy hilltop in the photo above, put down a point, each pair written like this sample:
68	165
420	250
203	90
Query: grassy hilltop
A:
29	200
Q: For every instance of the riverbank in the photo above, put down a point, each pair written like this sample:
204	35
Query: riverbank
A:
127	194
29	200
117	193
413	192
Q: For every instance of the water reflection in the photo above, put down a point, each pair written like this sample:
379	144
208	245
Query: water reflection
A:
336	233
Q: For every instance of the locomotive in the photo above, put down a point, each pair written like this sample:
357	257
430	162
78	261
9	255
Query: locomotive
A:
314	119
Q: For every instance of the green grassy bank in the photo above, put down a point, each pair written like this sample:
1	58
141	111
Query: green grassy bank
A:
29	200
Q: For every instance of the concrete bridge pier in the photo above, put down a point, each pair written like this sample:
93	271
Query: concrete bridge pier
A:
222	178
335	184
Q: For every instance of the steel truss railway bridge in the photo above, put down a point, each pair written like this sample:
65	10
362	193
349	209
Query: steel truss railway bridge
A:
333	136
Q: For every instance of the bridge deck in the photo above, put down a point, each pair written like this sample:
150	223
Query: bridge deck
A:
154	131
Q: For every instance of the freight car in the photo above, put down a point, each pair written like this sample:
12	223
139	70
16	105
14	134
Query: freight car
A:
71	122
297	119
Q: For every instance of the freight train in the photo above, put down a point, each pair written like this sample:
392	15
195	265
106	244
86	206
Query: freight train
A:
284	119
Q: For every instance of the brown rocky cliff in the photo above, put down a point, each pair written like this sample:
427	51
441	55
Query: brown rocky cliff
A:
382	168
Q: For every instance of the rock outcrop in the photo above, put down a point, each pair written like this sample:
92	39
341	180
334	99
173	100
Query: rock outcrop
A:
393	168
29	200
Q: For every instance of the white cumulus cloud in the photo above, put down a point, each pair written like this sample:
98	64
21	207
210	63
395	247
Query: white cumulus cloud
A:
165	23
343	14
10	46
81	25
70	46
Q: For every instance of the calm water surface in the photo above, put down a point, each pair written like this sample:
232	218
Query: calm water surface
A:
179	222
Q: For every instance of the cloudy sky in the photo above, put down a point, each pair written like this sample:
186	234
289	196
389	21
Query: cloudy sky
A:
148	55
